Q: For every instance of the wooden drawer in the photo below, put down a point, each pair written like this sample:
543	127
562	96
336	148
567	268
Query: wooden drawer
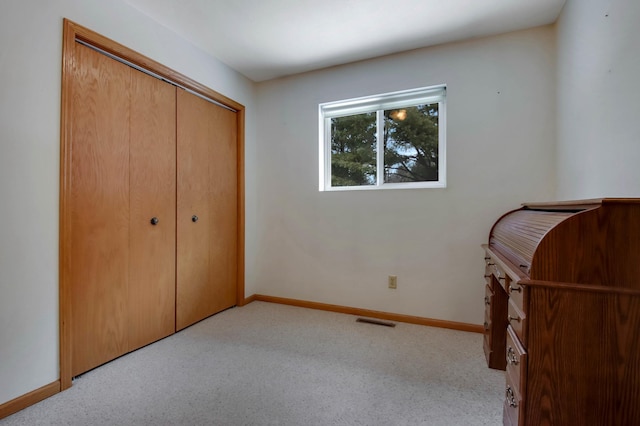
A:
493	269
517	319
516	362
499	274
516	293
513	407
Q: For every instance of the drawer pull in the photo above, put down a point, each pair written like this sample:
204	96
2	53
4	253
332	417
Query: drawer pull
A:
511	397
514	288
512	358
487	301
491	264
499	274
510	318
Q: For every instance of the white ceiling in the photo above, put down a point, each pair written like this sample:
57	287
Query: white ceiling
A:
265	39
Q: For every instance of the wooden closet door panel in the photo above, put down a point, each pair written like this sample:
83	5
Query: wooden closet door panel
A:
223	201
99	204
194	297
153	195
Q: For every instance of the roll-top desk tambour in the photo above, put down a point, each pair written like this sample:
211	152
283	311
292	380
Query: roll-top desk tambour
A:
562	314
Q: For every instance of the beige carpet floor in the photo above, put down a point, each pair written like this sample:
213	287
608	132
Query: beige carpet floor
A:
269	364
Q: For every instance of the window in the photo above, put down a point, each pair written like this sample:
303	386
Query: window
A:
393	140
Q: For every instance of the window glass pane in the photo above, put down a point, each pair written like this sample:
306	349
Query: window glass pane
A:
411	144
353	150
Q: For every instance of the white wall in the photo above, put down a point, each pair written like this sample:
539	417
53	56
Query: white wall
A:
339	247
598	99
30	74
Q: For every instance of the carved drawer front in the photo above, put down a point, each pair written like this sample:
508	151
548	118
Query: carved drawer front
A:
516	362
517	319
513	405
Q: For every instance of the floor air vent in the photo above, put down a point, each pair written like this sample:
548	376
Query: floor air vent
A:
376	322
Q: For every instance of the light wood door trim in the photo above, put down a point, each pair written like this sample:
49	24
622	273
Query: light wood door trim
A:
241	206
72	33
20	403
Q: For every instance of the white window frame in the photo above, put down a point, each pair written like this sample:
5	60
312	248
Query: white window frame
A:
379	103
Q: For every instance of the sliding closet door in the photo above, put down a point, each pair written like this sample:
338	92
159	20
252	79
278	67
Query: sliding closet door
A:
206	209
99	204
151	294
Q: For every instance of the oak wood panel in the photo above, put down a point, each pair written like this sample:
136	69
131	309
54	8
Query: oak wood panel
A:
585	365
193	295
151	291
207	188
223	207
99	209
601	246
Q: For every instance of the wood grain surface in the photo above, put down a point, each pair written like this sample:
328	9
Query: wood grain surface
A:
206	185
576	318
151	292
584	358
99	204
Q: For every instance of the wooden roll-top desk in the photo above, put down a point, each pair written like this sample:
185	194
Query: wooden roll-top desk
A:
562	312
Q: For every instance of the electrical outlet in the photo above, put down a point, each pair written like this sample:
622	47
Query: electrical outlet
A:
393	281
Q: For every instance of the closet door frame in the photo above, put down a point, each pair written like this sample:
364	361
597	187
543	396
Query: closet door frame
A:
72	34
